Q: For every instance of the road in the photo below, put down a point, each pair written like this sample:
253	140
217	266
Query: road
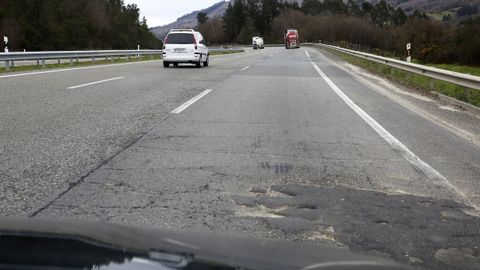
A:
273	143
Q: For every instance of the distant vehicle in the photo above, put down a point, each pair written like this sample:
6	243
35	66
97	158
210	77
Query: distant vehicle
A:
292	39
185	46
257	43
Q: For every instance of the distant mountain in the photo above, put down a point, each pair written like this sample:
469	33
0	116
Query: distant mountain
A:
190	20
429	6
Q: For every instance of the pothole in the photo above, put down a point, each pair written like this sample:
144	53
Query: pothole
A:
462	258
259	212
307	207
257	189
415	260
273	193
382	222
325	234
448	108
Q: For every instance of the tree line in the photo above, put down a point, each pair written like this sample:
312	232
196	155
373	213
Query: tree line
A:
377	26
36	25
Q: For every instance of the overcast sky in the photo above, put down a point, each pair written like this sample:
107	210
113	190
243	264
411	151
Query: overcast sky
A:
161	12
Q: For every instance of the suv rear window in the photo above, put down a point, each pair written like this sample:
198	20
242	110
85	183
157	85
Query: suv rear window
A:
180	38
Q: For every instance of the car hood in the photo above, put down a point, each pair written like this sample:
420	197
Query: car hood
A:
28	240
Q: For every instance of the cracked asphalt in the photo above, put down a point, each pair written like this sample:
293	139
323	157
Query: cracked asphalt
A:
271	152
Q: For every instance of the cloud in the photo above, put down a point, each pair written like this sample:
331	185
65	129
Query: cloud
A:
161	12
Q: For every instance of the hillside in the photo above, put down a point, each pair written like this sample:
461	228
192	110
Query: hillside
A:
435	8
429	6
190	20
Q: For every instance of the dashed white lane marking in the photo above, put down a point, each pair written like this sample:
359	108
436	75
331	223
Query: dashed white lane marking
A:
93	83
187	104
245	68
432	174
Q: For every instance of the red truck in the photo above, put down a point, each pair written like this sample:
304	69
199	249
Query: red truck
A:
292	39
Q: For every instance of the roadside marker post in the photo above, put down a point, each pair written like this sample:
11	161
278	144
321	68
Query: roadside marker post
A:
5	43
409	52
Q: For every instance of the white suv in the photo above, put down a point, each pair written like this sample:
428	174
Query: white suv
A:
185	46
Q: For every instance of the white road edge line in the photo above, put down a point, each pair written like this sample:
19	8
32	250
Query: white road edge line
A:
93	83
73	69
436	177
245	68
187	104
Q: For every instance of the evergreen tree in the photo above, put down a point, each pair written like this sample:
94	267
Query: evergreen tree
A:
399	17
312	7
201	18
74	25
229	24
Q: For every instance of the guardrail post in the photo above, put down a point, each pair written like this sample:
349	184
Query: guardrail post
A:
38	62
58	61
7	65
93	59
431	84
12	64
468	93
71	61
43	63
128	57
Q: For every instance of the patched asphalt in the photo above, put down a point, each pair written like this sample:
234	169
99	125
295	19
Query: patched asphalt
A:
414	230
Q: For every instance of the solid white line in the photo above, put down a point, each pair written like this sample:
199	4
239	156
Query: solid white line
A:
73	69
187	104
245	68
93	83
432	174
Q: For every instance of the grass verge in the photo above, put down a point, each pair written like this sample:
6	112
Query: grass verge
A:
457	68
420	82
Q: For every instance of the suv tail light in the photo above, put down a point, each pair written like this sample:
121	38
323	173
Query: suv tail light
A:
195	40
165	42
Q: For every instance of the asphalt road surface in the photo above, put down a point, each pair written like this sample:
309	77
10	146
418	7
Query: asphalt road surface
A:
273	143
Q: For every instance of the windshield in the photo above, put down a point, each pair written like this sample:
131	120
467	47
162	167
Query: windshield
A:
180	39
346	125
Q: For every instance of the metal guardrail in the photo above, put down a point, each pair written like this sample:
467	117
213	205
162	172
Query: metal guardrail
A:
466	80
11	57
41	57
225	48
